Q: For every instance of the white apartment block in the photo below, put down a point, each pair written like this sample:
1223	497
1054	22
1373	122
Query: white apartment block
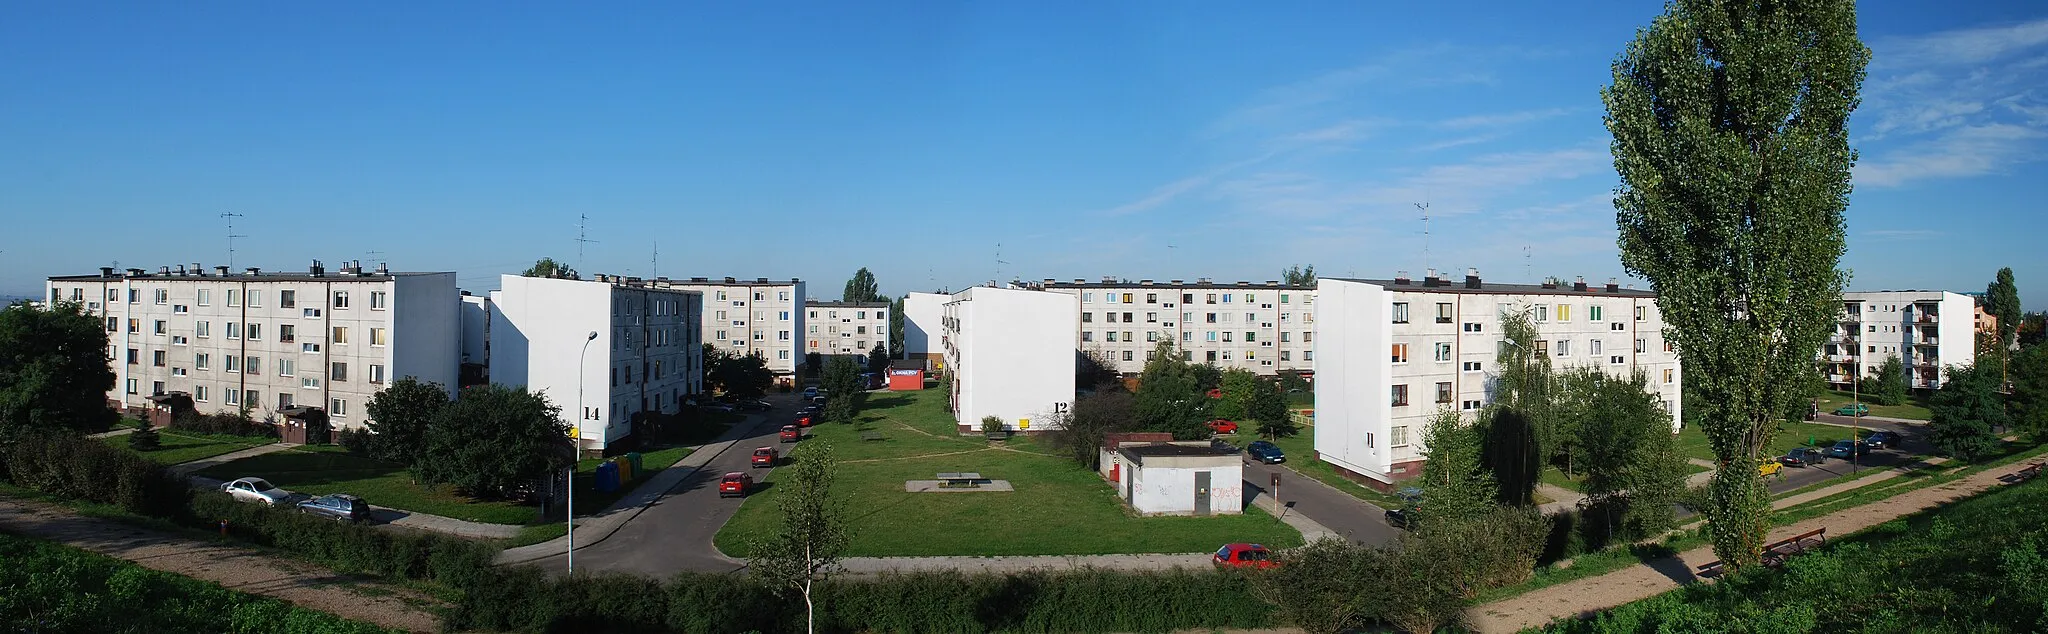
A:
922	315
1265	328
645	355
1007	349
758	316
1394	352
843	328
268	341
1927	330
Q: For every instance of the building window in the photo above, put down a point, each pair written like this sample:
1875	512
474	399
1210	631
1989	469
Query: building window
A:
135	356
1542	312
131	386
1211	298
1643	345
1443	313
1151	298
156	358
1398	436
1473	326
1668	374
1250	337
163	296
1593	313
1400	353
1226	336
1400	312
1596	348
159	327
134	326
234	364
205	297
286	333
1400	395
201	360
234	298
252	365
1617	359
1211	356
1187	337
340	300
1469	405
1308	355
337	407
1564	312
287	299
1617	326
1443	352
1443	392
1471	366
234	396
338	372
1564	347
1640	312
1127	355
377	337
1669	346
255	331
255	298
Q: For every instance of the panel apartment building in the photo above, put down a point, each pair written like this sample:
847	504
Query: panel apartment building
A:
843	328
758	316
1265	328
1927	330
1394	352
1006	349
922	315
611	348
270	341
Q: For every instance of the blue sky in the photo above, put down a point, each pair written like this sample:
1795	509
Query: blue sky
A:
1143	140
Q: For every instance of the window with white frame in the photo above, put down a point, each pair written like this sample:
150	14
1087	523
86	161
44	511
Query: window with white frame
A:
1400	312
1398	436
1443	351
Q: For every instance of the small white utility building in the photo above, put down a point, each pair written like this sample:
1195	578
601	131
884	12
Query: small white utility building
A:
1011	353
1181	478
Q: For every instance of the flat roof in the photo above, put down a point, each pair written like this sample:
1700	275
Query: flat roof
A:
1141	284
726	281
245	277
840	304
1172	450
1456	285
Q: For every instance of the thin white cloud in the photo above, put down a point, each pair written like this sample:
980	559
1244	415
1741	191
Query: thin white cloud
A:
1902	234
1502	119
1169	192
1346	131
1962	46
1962	152
1457	142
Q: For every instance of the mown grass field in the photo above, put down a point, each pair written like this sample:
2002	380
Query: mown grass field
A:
1058	508
1915	409
177	446
320	470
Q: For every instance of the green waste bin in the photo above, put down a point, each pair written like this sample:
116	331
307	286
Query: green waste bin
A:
634	458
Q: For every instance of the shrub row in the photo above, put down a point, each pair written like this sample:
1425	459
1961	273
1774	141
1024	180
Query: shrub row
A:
348	548
82	468
1088	600
52	588
230	424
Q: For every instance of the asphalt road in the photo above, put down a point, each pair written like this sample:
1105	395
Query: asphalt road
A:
1914	448
674	533
1336	510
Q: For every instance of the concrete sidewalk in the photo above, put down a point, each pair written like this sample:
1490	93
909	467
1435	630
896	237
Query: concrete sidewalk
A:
382	516
598	527
1563	499
110	434
186	469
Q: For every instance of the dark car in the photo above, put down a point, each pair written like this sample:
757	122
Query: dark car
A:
340	507
1845	449
755	406
1265	452
1882	440
1411	505
1802	457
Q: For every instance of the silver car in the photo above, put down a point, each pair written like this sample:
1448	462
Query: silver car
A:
256	490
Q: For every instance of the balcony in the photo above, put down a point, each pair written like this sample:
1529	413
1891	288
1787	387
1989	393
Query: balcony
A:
1928	341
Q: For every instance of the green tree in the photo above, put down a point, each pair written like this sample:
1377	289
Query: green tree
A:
492	439
805	547
145	438
548	267
1329	585
896	328
862	288
842	388
2033	329
1888	385
1269	409
1170	397
1239	387
53	370
1730	126
1298	275
1522	419
1093	369
878	359
737	375
2002	300
1627	450
1456	485
400	416
1096	416
1965	410
814	363
2029	401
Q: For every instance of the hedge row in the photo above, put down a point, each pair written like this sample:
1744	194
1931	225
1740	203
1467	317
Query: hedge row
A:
348	548
230	424
1088	600
82	468
51	588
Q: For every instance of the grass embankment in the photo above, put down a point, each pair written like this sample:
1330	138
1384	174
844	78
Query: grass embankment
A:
176	446
1057	508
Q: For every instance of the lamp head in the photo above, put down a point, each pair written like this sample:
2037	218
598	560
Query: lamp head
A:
592	337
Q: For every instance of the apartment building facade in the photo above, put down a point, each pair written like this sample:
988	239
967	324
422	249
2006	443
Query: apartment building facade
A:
268	341
1008	354
923	314
1394	352
1267	328
758	316
845	328
1928	331
606	351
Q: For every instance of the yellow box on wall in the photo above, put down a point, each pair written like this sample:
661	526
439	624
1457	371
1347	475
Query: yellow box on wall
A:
1023	423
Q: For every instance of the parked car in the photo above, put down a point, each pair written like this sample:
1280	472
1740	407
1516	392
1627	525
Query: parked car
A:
719	407
764	457
1803	457
1846	449
789	433
812	410
340	507
1882	440
817	401
1241	555
256	490
736	484
755	406
1411	505
811	392
1265	452
1223	426
804	420
1769	468
1853	409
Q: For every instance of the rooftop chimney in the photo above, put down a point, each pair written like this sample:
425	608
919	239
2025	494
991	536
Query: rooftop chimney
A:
197	269
134	272
1175	282
761	280
181	269
316	270
730	280
163	270
1144	282
1401	278
1430	278
1580	284
1613	287
1109	279
698	279
1472	278
106	271
220	271
255	270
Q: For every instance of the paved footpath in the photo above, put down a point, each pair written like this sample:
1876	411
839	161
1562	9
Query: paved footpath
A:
235	568
1594	594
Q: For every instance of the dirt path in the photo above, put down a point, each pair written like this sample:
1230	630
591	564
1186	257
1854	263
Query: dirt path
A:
1593	594
235	568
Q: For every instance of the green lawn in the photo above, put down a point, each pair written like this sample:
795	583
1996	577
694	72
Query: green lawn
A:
1057	509
1916	410
1693	443
176	446
323	470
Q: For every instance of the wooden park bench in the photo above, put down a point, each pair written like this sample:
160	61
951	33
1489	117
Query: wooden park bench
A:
960	480
871	435
2022	475
1777	553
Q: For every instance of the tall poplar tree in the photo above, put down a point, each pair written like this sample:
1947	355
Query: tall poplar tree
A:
1730	124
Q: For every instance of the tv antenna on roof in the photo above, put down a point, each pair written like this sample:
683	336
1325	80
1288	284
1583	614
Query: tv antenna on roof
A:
581	239
999	261
1424	206
231	216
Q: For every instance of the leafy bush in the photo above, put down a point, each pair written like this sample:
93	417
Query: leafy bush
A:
1330	585
233	424
86	469
347	548
356	441
52	588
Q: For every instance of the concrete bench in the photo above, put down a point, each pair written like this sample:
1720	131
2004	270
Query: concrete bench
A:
960	480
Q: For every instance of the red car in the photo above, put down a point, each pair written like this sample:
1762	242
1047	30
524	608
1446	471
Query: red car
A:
1244	556
764	457
1223	426
803	420
735	485
789	433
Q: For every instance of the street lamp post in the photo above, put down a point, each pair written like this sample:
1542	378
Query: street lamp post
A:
576	447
